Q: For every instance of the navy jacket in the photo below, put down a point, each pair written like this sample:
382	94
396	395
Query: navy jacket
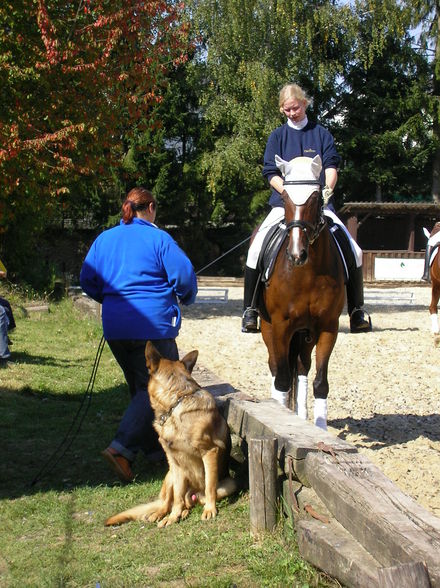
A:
288	143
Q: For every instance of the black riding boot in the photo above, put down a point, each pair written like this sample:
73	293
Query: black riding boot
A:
360	322
249	322
426	270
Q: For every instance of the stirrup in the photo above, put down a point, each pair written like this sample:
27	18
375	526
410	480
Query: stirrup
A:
249	322
360	321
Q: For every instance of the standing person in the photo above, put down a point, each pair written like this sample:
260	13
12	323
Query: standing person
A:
299	137
7	323
139	274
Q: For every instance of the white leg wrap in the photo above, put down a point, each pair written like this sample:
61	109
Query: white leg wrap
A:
320	413
434	323
279	396
301	397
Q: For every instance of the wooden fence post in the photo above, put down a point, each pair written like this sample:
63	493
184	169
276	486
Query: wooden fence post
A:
263	483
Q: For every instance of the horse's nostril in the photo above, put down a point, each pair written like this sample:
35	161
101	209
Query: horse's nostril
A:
297	259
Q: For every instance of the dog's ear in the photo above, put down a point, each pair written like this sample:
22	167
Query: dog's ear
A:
190	359
152	357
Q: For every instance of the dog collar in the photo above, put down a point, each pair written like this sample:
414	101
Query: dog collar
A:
166	415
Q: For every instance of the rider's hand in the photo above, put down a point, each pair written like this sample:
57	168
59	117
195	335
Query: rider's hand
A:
327	193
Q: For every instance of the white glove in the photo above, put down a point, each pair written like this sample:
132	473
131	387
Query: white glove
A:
327	193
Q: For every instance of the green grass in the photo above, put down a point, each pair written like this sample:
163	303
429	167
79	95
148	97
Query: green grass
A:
52	531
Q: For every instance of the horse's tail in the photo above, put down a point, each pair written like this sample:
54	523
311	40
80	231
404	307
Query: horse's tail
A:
137	513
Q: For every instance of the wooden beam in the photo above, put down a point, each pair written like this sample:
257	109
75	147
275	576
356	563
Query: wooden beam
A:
411	575
263	484
389	524
333	550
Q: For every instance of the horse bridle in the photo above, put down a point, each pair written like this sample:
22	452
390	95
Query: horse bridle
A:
304	225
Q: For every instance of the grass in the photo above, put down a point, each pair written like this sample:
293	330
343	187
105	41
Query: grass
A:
52	531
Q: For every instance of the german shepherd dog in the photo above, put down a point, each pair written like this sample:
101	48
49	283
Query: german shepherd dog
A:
195	438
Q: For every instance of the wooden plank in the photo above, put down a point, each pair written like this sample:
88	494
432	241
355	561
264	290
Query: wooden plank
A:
386	522
388	297
263	484
412	575
296	437
333	550
302	502
212	296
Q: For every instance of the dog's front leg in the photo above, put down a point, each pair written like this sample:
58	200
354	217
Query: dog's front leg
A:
165	499
210	463
179	510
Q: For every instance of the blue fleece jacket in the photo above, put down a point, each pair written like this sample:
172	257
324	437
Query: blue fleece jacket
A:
288	143
139	273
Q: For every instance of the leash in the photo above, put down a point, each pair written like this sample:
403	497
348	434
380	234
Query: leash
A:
77	420
80	415
223	255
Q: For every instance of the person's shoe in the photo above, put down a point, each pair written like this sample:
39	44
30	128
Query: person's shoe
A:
426	278
360	321
249	321
120	464
5	363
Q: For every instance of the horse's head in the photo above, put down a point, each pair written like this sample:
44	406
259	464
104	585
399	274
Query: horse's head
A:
303	203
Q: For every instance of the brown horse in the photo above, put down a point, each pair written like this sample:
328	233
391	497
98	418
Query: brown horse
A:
435	282
305	295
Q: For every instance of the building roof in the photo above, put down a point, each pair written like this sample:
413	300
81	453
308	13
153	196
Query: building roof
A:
390	208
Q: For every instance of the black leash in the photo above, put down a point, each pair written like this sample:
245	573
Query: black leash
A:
83	408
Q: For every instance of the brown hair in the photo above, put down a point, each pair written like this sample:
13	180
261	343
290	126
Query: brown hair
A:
137	199
292	91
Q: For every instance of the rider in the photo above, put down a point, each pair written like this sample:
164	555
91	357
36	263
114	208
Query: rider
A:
300	138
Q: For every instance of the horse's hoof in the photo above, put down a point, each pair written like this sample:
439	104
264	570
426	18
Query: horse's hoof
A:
360	321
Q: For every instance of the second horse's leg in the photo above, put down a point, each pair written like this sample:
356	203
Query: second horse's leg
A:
433	307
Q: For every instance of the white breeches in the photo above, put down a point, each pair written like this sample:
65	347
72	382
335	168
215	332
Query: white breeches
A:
434	239
357	251
275	216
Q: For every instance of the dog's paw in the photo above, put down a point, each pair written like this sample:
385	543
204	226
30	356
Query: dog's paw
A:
157	516
163	523
209	513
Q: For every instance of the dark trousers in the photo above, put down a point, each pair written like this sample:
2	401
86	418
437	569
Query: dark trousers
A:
135	431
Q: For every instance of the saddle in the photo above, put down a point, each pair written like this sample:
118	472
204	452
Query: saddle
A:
271	246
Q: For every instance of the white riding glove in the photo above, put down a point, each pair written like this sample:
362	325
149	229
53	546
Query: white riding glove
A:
327	193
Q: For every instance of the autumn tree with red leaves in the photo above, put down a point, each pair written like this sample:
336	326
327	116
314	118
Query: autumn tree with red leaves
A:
75	78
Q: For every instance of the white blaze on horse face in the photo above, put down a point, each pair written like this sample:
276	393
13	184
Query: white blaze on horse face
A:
297	169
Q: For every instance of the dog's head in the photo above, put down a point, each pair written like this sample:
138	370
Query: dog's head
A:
168	378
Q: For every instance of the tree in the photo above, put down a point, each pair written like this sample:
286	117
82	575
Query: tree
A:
382	124
76	81
425	16
249	50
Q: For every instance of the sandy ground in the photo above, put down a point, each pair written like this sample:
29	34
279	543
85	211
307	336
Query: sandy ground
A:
384	386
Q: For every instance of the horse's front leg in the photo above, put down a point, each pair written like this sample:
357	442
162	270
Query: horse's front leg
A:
433	307
277	340
324	348
304	361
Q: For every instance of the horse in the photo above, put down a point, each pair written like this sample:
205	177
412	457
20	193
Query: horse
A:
435	284
305	294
